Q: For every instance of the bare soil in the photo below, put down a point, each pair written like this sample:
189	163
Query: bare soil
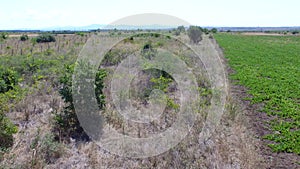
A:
19	35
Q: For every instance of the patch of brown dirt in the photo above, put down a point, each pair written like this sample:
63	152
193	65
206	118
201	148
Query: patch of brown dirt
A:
19	35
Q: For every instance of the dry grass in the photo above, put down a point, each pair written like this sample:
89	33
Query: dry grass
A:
231	146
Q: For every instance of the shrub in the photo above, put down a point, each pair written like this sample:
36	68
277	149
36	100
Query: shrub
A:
45	38
7	129
206	31
80	33
67	121
8	79
33	41
148	51
176	32
195	34
24	38
214	30
3	35
181	28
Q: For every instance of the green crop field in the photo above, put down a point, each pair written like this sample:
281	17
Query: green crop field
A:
269	66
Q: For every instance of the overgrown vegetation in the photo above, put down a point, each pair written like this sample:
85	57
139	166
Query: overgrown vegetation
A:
45	38
47	150
8	81
24	37
21	73
67	122
195	34
3	35
269	67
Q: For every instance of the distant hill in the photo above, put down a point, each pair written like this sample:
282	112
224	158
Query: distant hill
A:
75	28
130	27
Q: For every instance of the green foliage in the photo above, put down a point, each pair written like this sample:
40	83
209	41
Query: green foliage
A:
295	32
269	67
80	34
161	83
214	30
45	38
114	56
67	121
148	51
205	30
181	28
9	91
195	34
8	79
176	32
99	82
49	52
3	35
7	129
24	37
33	41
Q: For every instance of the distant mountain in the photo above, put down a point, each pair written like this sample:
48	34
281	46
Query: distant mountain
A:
102	26
134	27
74	28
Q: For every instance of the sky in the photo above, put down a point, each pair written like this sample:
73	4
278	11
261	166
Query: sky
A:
35	14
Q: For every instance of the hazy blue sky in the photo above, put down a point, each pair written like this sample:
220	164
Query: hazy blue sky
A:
47	13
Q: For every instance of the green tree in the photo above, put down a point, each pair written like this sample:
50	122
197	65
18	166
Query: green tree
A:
3	35
195	34
8	81
67	122
24	37
205	30
214	30
181	28
45	38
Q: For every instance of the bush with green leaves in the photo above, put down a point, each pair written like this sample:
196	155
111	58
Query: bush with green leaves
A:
8	79
205	30
67	122
80	34
3	35
181	28
44	38
214	30
24	37
7	129
148	51
195	34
